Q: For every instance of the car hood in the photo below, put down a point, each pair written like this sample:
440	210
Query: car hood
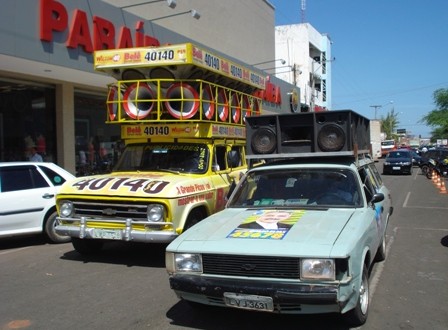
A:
137	184
312	232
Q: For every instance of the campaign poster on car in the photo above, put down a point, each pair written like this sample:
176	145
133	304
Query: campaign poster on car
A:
267	224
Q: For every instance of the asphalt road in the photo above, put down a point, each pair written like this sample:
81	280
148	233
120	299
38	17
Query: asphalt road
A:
45	286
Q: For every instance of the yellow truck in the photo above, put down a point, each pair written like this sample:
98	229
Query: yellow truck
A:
182	114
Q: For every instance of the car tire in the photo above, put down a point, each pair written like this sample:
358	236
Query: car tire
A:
87	246
381	253
424	169
358	315
50	231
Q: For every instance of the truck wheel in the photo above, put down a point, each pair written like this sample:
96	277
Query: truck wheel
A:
86	246
194	217
50	225
358	315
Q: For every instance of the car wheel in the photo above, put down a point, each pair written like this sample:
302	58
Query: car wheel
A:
424	169
381	253
193	218
358	315
50	231
86	246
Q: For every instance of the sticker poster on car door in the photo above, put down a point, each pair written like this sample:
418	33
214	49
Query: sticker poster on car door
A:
267	224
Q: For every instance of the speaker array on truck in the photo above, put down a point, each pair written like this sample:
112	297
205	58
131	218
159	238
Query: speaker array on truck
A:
312	132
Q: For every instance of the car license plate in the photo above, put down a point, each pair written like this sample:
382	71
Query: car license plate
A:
106	234
396	168
244	301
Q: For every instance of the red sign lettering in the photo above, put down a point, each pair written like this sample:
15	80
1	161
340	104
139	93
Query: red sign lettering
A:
55	19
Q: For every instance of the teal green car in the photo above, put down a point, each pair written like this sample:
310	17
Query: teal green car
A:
295	237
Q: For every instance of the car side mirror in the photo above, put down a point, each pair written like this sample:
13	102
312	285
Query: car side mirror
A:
378	197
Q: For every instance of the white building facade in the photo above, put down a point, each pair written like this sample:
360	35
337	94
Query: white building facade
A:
308	59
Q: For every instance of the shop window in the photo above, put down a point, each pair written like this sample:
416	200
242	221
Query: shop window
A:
27	119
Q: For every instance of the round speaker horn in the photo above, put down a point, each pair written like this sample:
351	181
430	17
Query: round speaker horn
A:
331	137
223	105
255	107
208	102
264	141
112	102
245	105
138	100
183	101
235	107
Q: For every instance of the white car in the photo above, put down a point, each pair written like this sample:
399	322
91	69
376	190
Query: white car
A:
27	199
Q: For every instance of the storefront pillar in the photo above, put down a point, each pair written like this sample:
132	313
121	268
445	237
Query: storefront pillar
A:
65	126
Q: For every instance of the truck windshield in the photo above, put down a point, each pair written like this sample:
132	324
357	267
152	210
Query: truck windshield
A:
323	187
172	157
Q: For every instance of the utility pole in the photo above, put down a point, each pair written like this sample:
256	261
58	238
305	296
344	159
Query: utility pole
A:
376	108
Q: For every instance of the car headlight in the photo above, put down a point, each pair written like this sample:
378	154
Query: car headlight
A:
386	163
318	269
154	213
185	262
407	163
66	209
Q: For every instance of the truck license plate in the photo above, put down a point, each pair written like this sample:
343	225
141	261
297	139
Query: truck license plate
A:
106	234
244	301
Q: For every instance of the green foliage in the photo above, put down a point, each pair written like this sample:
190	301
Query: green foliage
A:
438	118
389	124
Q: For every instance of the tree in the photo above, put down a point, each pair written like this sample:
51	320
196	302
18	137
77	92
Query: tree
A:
438	118
389	124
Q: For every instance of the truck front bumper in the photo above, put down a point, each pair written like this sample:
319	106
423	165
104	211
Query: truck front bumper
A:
127	233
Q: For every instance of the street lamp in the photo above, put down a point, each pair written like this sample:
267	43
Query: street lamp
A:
194	13
282	61
171	3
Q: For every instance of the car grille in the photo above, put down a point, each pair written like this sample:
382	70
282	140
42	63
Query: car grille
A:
98	209
251	266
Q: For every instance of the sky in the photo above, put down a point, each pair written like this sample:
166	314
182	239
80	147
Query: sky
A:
391	53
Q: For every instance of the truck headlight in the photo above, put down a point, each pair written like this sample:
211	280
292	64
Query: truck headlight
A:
66	209
184	262
318	269
154	213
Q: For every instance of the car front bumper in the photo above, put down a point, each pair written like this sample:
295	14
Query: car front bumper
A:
397	168
288	298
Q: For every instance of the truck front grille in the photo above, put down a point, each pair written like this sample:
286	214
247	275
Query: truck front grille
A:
251	266
98	209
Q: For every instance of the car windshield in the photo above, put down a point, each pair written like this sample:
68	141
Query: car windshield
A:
298	188
169	157
399	154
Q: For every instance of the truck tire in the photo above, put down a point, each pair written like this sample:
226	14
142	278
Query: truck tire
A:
87	246
358	315
50	232
194	217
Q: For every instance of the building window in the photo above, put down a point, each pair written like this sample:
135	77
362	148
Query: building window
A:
27	120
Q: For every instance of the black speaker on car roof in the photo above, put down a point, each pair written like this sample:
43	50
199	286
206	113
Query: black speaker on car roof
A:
311	132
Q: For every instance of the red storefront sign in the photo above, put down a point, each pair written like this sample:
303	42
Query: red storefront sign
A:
54	18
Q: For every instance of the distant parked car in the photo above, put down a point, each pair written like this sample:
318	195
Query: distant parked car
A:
398	162
27	199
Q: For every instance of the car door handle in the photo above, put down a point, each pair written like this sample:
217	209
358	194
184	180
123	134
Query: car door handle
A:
48	196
